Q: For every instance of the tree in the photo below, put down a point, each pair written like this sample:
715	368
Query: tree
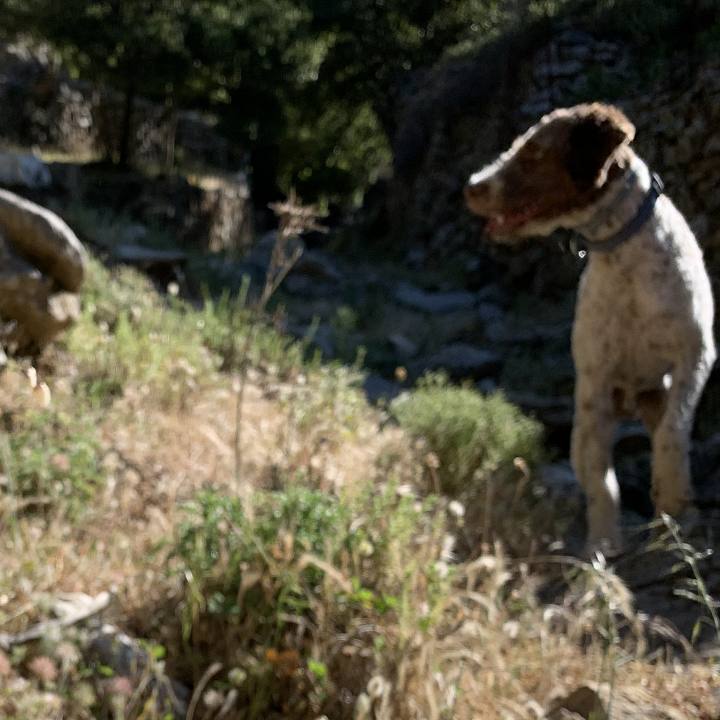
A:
137	47
308	87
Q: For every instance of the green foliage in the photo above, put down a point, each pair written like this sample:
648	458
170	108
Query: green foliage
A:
308	567
473	436
127	335
228	326
309	88
219	545
54	460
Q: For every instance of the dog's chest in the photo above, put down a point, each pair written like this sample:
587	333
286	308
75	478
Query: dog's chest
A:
631	316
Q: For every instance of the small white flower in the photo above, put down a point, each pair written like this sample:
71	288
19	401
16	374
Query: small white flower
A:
376	687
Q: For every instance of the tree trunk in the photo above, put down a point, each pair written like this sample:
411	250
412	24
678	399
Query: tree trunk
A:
125	151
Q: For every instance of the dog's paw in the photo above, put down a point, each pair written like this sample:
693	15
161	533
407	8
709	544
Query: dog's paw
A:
609	548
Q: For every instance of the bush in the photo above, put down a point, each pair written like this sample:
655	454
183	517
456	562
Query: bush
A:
130	334
225	323
471	435
271	597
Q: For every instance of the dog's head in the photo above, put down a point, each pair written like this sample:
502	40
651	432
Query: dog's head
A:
558	168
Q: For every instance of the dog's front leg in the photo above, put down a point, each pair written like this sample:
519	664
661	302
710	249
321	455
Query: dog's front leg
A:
591	454
671	483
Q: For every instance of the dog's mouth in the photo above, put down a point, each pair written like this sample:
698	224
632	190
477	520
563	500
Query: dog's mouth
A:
506	224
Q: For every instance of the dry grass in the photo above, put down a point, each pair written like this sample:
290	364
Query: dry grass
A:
403	626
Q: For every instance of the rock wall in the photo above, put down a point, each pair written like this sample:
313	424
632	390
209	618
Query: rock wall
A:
458	116
204	212
41	105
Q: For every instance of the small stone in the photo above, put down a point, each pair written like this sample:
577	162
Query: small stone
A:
43	668
402	345
433	302
5	666
461	360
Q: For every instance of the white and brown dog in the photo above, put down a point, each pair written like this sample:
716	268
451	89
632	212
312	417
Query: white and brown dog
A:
643	334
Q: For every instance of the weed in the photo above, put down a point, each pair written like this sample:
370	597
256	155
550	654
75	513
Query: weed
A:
274	594
225	323
697	589
55	461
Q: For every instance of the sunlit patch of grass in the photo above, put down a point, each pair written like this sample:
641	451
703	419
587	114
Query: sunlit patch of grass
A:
274	595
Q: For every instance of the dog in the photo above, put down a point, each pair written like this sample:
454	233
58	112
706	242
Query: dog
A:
642	338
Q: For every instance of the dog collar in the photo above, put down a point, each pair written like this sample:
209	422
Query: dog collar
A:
634	224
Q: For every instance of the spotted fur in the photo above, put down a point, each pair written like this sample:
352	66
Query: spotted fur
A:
642	338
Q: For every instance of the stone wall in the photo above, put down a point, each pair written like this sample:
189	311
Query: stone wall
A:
41	105
453	132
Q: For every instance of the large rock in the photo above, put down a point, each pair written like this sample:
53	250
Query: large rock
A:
43	239
41	268
108	647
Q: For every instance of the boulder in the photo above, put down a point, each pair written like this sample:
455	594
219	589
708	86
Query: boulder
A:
41	268
43	239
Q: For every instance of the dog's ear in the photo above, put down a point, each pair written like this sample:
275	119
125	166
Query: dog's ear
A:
596	134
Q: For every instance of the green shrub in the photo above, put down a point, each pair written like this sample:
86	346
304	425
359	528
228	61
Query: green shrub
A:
227	321
108	294
471	435
308	568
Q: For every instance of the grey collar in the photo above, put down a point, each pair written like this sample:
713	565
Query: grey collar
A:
634	224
